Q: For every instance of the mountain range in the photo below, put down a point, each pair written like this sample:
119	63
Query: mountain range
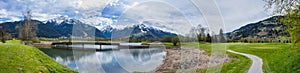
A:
63	27
67	27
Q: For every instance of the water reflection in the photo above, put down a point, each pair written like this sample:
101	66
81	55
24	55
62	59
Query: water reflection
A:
118	61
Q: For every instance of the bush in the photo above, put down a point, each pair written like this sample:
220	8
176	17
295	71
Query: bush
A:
167	39
175	40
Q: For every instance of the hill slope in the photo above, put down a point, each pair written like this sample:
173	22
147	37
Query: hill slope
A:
268	28
18	58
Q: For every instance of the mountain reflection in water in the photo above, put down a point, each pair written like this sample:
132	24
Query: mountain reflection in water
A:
117	61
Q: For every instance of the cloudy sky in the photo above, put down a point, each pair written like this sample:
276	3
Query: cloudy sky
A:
178	14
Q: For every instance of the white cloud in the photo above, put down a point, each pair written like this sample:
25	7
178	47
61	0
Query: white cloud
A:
90	4
180	14
241	12
46	9
235	13
15	19
3	13
44	17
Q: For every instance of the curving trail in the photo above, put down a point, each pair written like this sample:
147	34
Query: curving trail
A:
257	62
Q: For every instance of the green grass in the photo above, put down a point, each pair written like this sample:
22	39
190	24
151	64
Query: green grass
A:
277	57
239	64
168	44
203	45
18	58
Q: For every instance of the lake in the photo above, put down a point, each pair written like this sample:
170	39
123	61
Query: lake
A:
116	61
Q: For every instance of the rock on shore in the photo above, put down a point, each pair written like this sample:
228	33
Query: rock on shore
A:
179	59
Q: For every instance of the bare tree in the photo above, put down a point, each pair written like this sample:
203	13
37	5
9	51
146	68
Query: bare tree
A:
198	32
222	37
2	34
27	30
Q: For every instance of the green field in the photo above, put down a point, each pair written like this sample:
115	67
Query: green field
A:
277	57
18	58
238	64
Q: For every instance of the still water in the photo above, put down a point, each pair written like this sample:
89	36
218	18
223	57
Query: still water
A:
116	61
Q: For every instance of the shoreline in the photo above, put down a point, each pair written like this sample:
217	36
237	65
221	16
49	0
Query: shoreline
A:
185	59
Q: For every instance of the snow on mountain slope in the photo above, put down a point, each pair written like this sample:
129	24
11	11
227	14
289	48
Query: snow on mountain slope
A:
58	20
157	26
97	21
106	26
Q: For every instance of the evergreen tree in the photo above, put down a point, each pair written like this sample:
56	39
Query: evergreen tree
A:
214	38
208	38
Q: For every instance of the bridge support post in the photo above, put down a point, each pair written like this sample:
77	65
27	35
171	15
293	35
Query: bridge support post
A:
82	45
100	47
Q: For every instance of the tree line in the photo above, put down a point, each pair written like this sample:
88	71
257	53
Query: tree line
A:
197	34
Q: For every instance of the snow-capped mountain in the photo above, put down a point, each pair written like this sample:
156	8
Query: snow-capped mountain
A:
62	20
160	26
145	24
146	29
57	20
63	27
103	24
138	31
96	21
105	27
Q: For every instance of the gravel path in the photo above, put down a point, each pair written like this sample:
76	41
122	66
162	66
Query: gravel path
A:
257	62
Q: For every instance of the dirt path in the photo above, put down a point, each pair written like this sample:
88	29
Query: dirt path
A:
257	62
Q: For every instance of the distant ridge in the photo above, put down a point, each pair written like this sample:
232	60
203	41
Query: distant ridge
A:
270	28
62	27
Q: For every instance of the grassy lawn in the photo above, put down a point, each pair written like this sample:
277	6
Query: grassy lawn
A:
277	57
202	45
238	64
18	58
